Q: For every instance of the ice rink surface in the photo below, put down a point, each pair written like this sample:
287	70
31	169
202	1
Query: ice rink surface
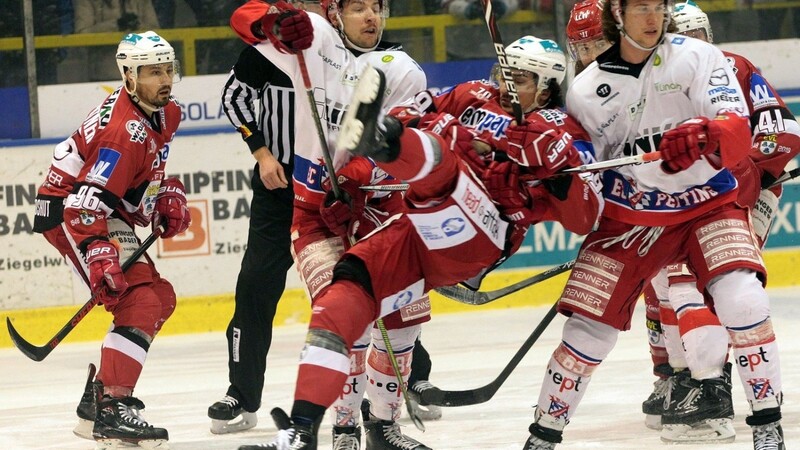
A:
185	374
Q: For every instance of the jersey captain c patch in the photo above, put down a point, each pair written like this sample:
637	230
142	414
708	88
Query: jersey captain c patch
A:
104	166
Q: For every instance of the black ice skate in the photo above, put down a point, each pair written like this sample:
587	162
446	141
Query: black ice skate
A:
290	436
119	422
654	406
767	430
423	409
386	435
346	438
223	412
542	438
699	411
365	130
87	407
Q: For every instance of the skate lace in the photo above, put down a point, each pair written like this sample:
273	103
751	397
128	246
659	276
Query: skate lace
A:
667	386
661	388
132	416
345	441
690	399
393	435
766	437
229	401
649	236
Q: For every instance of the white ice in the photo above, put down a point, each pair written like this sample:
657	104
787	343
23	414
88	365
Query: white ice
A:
185	374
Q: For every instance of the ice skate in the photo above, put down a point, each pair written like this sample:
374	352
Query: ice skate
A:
386	435
346	438
542	438
423	409
224	412
365	130
120	422
699	411
653	407
290	436
768	437
87	407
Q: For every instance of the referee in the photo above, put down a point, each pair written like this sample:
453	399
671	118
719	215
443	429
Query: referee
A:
269	134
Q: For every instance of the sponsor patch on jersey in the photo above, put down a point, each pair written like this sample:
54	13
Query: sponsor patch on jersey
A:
443	229
760	93
104	166
678	40
719	77
137	131
604	90
402	298
387	58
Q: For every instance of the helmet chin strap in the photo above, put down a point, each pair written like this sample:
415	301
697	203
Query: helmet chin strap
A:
351	44
147	107
636	44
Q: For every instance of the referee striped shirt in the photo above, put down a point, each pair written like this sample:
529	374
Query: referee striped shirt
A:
255	80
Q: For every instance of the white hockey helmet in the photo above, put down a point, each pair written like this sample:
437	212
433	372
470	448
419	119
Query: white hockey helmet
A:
143	49
540	56
688	16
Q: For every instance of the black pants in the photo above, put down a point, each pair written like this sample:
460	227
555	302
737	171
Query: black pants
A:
261	282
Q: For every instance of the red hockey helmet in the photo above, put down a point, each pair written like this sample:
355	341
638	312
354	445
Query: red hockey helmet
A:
585	21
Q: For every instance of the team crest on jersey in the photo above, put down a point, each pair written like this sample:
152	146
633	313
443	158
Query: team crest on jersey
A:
104	166
137	131
87	218
768	144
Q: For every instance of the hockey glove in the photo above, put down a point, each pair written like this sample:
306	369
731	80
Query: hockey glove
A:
171	209
102	259
681	146
502	183
289	30
538	146
341	214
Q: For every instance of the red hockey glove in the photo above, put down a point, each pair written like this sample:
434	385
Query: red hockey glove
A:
102	258
289	30
341	214
502	183
461	140
681	146
540	147
171	209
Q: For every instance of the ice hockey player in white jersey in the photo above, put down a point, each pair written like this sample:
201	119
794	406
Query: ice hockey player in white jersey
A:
336	48
653	90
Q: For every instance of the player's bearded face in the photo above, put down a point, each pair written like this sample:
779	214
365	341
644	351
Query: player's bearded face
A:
362	22
154	83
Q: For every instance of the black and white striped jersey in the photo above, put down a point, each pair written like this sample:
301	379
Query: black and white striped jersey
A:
255	80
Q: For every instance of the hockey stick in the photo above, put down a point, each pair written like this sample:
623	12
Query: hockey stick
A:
39	353
614	163
790	175
505	69
438	397
471	297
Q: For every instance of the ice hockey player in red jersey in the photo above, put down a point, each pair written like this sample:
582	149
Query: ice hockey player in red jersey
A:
104	180
461	218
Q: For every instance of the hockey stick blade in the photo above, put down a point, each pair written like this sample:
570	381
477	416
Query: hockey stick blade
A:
790	175
39	353
614	163
438	397
469	297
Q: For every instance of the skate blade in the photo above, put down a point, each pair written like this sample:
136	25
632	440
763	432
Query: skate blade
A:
653	421
84	429
150	444
248	420
426	412
708	431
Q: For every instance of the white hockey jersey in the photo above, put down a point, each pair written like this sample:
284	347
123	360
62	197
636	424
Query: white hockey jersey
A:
626	108
334	71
